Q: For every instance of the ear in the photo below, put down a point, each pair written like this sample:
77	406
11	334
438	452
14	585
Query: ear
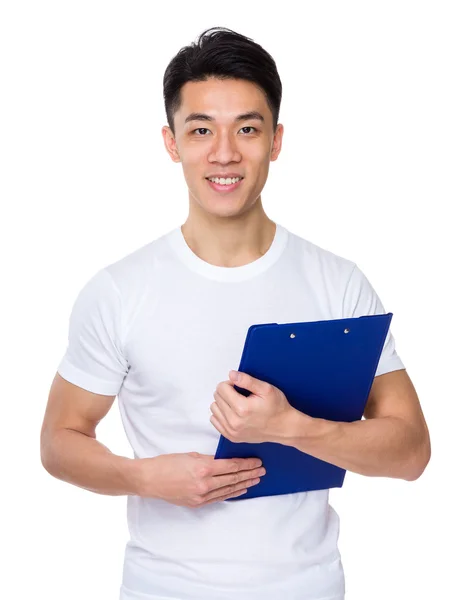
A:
170	143
277	142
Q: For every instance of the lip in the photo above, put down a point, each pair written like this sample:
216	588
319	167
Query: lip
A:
224	175
225	188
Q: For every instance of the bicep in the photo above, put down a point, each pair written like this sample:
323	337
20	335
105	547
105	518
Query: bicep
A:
393	395
72	407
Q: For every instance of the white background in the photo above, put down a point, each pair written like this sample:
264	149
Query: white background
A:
369	169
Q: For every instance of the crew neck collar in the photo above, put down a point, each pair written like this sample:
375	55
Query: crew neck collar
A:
228	274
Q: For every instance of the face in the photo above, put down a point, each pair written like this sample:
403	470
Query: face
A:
217	140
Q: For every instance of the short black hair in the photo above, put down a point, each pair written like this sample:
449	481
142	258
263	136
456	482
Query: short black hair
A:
222	54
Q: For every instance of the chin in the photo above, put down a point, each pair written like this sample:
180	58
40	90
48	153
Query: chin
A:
220	206
224	211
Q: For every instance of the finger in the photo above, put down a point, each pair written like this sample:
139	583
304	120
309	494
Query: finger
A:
214	420
219	498
221	466
236	403
247	382
226	484
222	409
228	393
235	479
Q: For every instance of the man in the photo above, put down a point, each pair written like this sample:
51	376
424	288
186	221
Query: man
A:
163	327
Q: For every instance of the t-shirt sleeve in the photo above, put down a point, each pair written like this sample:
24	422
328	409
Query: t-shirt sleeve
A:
361	299
94	358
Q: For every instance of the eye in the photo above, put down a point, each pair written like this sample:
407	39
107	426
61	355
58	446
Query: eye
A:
200	129
205	129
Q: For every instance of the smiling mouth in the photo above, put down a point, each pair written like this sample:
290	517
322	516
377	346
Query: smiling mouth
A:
217	187
209	179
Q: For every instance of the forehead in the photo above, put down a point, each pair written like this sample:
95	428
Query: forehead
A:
221	98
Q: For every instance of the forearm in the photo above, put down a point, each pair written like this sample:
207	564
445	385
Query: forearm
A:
380	447
83	461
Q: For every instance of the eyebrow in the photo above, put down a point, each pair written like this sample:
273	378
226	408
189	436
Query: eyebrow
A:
253	114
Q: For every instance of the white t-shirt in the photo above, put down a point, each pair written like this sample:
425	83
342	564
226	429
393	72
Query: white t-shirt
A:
161	328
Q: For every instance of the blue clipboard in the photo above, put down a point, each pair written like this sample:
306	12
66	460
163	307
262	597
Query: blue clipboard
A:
326	370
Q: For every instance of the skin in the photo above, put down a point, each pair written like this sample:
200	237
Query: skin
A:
232	230
229	229
392	441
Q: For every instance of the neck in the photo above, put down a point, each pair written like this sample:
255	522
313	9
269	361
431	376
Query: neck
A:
229	241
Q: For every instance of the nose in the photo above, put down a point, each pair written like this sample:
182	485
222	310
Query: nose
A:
224	149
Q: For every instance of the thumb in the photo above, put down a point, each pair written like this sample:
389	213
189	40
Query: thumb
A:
247	382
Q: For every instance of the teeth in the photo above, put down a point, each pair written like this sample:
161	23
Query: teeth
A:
222	181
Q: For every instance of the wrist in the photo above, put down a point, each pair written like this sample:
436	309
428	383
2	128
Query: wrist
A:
131	472
291	424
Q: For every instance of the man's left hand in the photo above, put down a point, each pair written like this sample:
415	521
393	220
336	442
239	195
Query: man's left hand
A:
260	417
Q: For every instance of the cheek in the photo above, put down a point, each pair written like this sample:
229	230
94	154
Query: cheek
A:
193	158
194	167
259	159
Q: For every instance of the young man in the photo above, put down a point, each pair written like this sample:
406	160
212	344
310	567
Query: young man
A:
162	328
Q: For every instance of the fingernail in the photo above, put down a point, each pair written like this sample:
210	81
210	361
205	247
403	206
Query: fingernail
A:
236	375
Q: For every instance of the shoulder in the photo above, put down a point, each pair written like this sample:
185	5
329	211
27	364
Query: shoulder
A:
138	272
132	279
319	261
138	265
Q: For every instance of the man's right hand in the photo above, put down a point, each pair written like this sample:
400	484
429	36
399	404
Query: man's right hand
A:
194	480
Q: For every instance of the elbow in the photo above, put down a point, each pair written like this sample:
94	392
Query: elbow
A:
46	450
45	460
419	462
